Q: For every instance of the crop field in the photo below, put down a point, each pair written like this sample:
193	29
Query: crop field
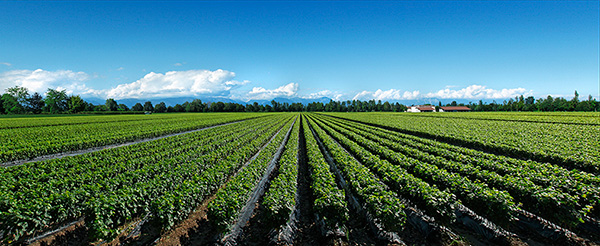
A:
301	179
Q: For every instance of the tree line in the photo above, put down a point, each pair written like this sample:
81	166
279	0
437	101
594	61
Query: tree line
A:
18	100
548	104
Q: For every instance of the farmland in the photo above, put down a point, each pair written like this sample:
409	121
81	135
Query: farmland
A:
302	179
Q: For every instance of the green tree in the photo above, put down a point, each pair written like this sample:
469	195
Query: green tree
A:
19	93
89	107
178	108
56	101
148	106
11	105
217	107
137	107
35	103
100	108
387	107
111	104
195	106
160	108
123	107
76	104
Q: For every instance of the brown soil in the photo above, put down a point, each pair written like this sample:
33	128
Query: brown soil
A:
73	235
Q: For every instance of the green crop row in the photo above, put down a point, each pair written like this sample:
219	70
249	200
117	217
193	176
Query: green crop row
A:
571	146
12	123
229	200
176	205
381	203
108	217
577	118
330	203
24	143
548	201
496	205
432	200
280	199
38	196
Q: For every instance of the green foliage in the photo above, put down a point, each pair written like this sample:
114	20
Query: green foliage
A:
35	103
76	104
229	200
56	101
383	204
148	106
160	108
27	139
111	104
111	187
137	107
330	203
19	93
11	105
280	200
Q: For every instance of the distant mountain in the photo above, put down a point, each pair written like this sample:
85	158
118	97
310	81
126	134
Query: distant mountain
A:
436	101
291	100
172	101
180	100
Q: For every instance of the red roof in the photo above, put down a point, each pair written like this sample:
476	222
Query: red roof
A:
450	108
425	108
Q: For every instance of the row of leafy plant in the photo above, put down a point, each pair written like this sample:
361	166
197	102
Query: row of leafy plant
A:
432	200
494	204
175	206
25	143
58	120
571	146
112	186
576	118
280	199
330	203
556	194
229	200
377	200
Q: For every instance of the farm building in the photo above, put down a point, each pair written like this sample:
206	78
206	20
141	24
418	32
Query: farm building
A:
455	109
421	108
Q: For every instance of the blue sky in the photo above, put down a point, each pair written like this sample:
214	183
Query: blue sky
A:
344	50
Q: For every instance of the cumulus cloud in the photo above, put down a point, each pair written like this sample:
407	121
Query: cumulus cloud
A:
260	93
178	83
470	92
336	96
40	80
152	85
391	94
6	64
476	92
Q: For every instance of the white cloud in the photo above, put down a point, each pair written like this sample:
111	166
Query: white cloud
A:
40	80
179	64
260	93
336	96
120	68
152	85
391	94
477	92
6	64
470	92
178	83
